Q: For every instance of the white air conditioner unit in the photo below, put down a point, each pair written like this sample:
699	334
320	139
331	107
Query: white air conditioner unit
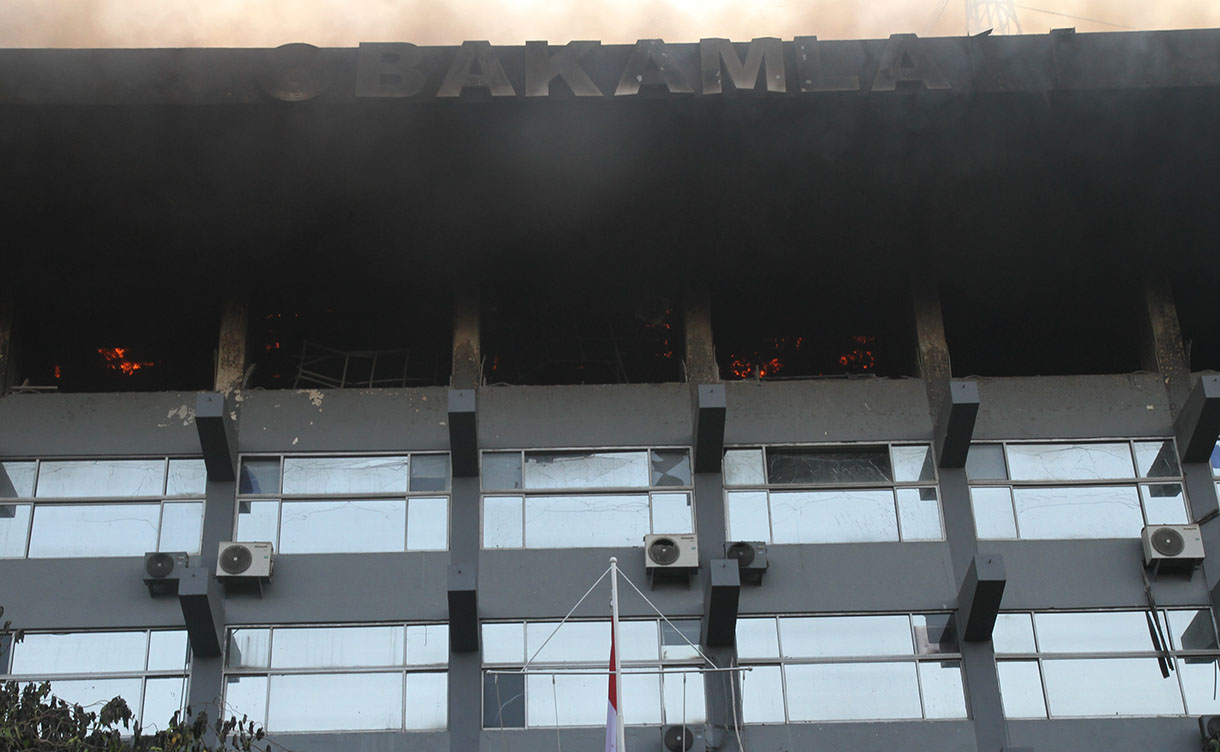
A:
663	551
239	559
1172	546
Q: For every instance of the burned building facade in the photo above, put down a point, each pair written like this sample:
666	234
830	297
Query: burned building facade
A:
929	323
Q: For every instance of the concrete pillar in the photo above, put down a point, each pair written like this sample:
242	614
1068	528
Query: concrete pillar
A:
932	349
7	310
701	365
465	669
1161	347
231	350
467	359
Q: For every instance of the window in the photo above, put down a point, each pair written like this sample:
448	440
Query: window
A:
850	668
100	507
147	668
340	678
568	678
1093	664
349	504
1104	489
832	494
584	499
1215	462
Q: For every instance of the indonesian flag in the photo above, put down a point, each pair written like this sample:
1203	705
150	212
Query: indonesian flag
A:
611	709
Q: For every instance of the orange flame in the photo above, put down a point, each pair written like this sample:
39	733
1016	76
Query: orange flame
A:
116	360
59	374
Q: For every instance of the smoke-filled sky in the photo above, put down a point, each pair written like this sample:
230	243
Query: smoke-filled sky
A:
345	23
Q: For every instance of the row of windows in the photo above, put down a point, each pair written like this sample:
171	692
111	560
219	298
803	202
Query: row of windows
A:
541	674
605	498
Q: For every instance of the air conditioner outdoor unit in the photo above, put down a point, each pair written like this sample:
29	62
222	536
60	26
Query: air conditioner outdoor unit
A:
1172	546
239	559
663	551
162	569
751	557
678	738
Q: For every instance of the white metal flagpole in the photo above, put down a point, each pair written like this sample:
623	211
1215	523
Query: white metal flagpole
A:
618	665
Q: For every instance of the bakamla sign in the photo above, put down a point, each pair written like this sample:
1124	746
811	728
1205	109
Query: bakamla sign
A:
650	67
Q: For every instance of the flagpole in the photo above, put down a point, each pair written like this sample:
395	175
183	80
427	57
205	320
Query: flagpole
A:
618	673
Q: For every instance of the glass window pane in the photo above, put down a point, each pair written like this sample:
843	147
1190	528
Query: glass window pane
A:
919	514
427	701
552	470
833	516
670	467
575	642
14	523
943	694
247	695
829	636
427	644
1200	679
181	526
1157	459
167	650
1164	504
749	517
428	524
79	478
334	647
505	643
852	691
993	512
913	463
828	465
162	698
677	637
581	700
1021	689
503	701
637	640
986	462
186	478
260	475
1215	460
1192	630
258	521
502	522
762	695
80	653
502	471
429	472
323	527
249	648
1078	512
1013	633
641	698
935	634
1111	686
335	702
671	513
92	694
757	638
94	530
1094	632
1070	461
17	480
345	475
744	467
586	521
683	697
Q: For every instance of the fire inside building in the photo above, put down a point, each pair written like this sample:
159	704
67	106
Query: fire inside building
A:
886	370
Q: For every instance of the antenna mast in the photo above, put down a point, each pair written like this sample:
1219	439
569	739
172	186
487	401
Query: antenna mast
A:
998	15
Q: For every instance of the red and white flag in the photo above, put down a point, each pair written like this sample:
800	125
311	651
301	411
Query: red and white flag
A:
612	709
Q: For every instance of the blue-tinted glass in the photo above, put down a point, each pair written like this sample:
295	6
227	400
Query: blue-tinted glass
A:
260	475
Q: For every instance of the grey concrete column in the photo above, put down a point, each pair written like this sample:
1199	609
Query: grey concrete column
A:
932	349
465	669
7	311
697	324
710	525
207	674
231	350
1161	347
467	358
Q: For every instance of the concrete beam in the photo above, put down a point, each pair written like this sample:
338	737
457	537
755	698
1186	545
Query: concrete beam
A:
1161	346
217	436
720	603
463	608
467	359
955	424
932	349
202	603
231	351
978	601
700	359
464	432
711	409
1198	423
